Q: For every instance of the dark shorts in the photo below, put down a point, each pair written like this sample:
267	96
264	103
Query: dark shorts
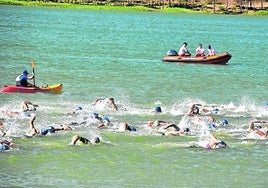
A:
84	140
24	83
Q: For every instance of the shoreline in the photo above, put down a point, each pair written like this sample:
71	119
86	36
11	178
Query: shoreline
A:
126	8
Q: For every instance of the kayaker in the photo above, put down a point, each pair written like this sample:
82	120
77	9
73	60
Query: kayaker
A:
22	79
199	52
183	51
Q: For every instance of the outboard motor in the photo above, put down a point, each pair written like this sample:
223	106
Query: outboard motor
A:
172	53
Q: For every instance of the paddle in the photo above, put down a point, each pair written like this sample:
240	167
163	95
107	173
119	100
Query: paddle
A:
33	65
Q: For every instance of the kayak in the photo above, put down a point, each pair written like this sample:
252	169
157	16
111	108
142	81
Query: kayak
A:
55	88
220	59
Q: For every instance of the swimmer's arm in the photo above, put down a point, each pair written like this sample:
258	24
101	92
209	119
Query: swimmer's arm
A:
7	142
63	128
162	121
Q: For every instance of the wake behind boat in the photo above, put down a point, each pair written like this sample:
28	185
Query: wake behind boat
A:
55	88
220	59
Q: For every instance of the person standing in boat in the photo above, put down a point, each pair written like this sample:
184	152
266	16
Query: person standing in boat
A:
199	52
183	51
211	51
22	79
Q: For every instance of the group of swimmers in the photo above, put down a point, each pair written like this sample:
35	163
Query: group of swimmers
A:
162	127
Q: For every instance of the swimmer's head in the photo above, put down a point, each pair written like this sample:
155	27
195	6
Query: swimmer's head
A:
96	115
224	122
4	147
259	127
195	110
150	123
51	129
106	118
78	108
96	140
158	109
187	129
44	131
221	144
111	99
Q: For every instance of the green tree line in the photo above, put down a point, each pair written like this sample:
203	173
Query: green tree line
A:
216	6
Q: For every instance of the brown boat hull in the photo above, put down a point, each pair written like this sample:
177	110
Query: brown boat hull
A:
220	59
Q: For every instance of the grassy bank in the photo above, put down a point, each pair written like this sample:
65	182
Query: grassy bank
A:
119	8
91	7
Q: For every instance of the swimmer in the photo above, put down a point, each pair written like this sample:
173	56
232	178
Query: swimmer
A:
157	110
196	109
25	106
211	123
77	110
214	143
2	133
109	101
126	127
46	130
105	122
5	144
177	132
84	140
156	123
257	131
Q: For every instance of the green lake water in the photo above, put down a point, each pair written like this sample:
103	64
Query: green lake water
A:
102	54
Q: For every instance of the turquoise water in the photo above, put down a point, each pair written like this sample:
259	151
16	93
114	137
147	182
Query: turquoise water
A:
101	54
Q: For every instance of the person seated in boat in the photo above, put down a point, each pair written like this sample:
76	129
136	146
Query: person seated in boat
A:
199	52
46	130
183	51
22	79
211	51
257	131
